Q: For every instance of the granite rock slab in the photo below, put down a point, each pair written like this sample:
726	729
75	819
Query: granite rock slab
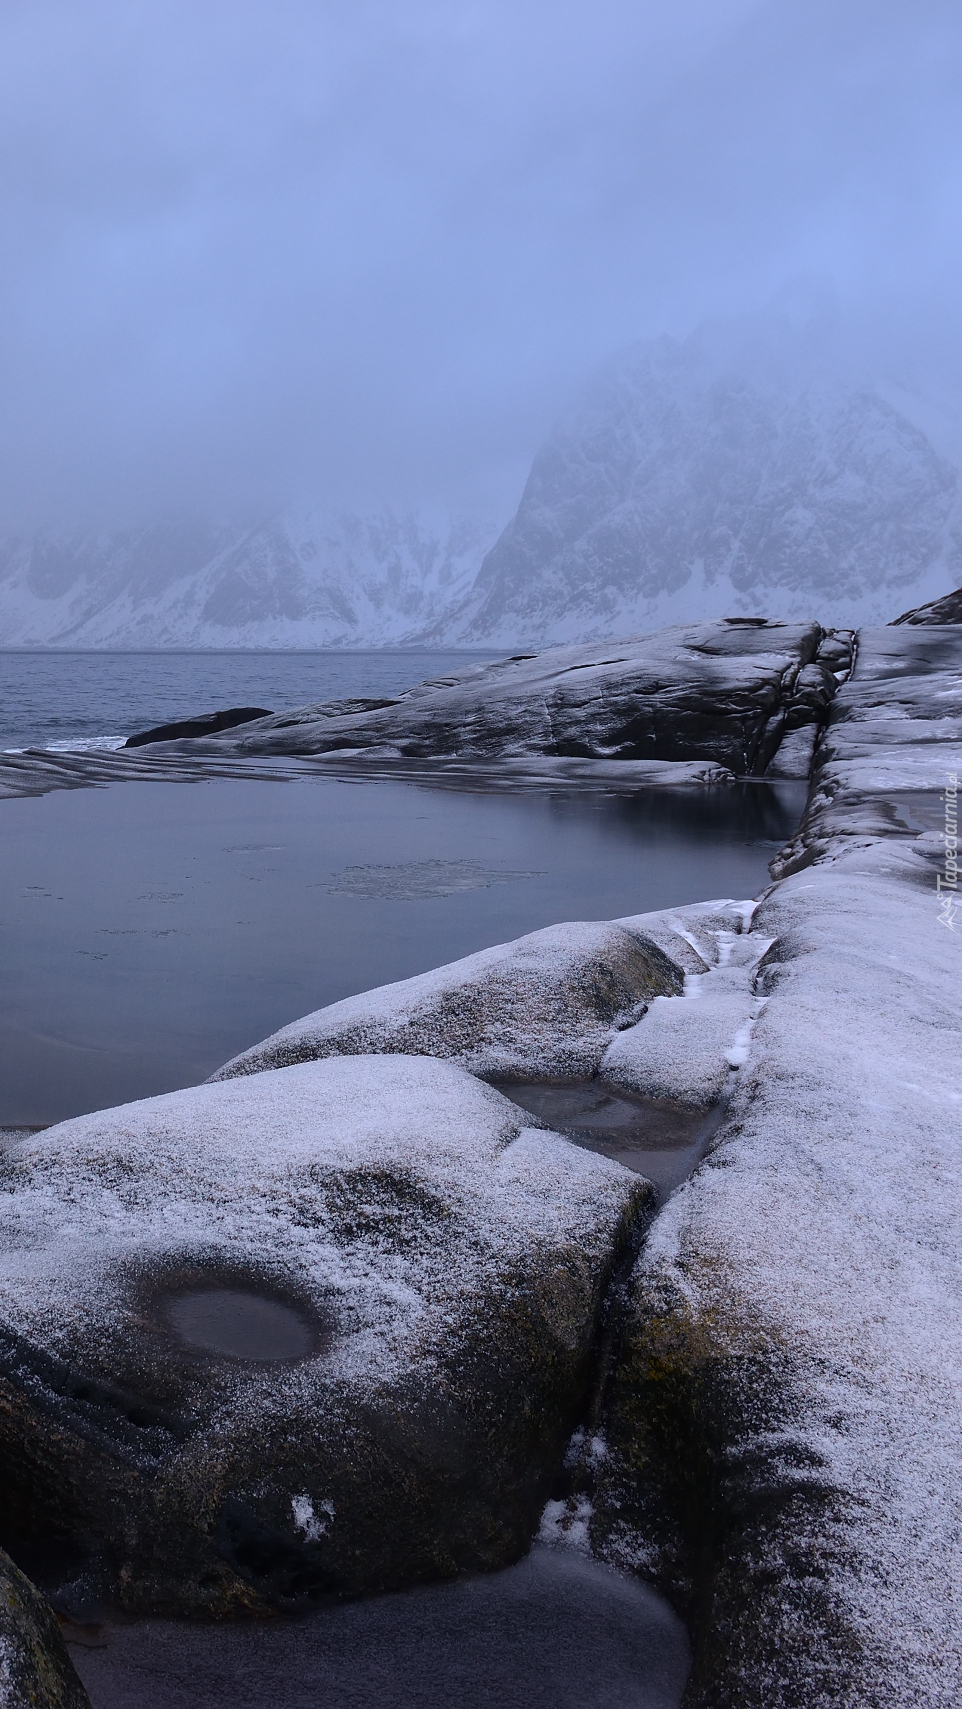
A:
309	1333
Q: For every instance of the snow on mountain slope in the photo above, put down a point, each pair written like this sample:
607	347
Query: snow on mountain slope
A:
756	468
752	469
292	582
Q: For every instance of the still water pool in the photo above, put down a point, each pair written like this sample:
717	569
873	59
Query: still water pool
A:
152	930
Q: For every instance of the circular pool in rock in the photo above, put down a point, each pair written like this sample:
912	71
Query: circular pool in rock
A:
234	1323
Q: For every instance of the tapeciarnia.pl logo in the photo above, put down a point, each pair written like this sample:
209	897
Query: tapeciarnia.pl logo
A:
947	881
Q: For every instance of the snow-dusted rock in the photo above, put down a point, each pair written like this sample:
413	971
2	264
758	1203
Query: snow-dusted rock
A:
543	1006
795	753
699	935
35	1670
783	1446
38	771
894	730
685	1048
718	692
322	1330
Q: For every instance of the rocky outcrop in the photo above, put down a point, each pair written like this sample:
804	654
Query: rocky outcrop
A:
695	705
782	1449
544	1006
314	1332
893	732
35	1670
947	610
207	724
724	692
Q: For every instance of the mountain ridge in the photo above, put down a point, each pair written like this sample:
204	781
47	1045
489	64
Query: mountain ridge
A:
758	467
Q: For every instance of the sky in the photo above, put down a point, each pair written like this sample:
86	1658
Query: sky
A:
261	253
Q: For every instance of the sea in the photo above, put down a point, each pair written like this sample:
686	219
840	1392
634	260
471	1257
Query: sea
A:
60	699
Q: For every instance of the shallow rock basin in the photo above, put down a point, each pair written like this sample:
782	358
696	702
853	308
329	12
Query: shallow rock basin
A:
556	1631
657	1139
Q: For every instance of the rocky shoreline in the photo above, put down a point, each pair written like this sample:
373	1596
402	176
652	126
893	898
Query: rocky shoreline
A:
758	1386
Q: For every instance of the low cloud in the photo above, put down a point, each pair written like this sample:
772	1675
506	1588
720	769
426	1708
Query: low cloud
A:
260	254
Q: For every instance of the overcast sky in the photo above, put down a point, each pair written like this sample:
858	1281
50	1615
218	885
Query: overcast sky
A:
257	252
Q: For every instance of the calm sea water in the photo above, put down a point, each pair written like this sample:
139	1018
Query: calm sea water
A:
152	930
52	699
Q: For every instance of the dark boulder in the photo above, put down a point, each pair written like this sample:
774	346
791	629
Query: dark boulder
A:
945	610
35	1670
208	724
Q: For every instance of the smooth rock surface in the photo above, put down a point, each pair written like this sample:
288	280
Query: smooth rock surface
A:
895	729
35	1669
545	1005
795	753
439	1265
717	692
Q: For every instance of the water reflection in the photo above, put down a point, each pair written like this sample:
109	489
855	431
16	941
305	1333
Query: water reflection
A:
659	1140
153	930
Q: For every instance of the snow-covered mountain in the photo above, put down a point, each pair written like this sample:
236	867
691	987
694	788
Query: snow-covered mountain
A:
304	581
756	468
752	469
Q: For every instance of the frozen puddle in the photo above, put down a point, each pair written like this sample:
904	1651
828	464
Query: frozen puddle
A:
554	1632
239	1325
659	1140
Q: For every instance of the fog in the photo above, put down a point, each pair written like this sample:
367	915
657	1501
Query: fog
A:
267	252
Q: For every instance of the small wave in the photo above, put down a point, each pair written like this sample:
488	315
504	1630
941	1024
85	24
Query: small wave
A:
83	745
79	745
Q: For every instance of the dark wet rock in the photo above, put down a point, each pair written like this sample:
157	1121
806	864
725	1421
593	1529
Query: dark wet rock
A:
35	1669
309	1333
208	724
542	1006
808	707
945	610
719	692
